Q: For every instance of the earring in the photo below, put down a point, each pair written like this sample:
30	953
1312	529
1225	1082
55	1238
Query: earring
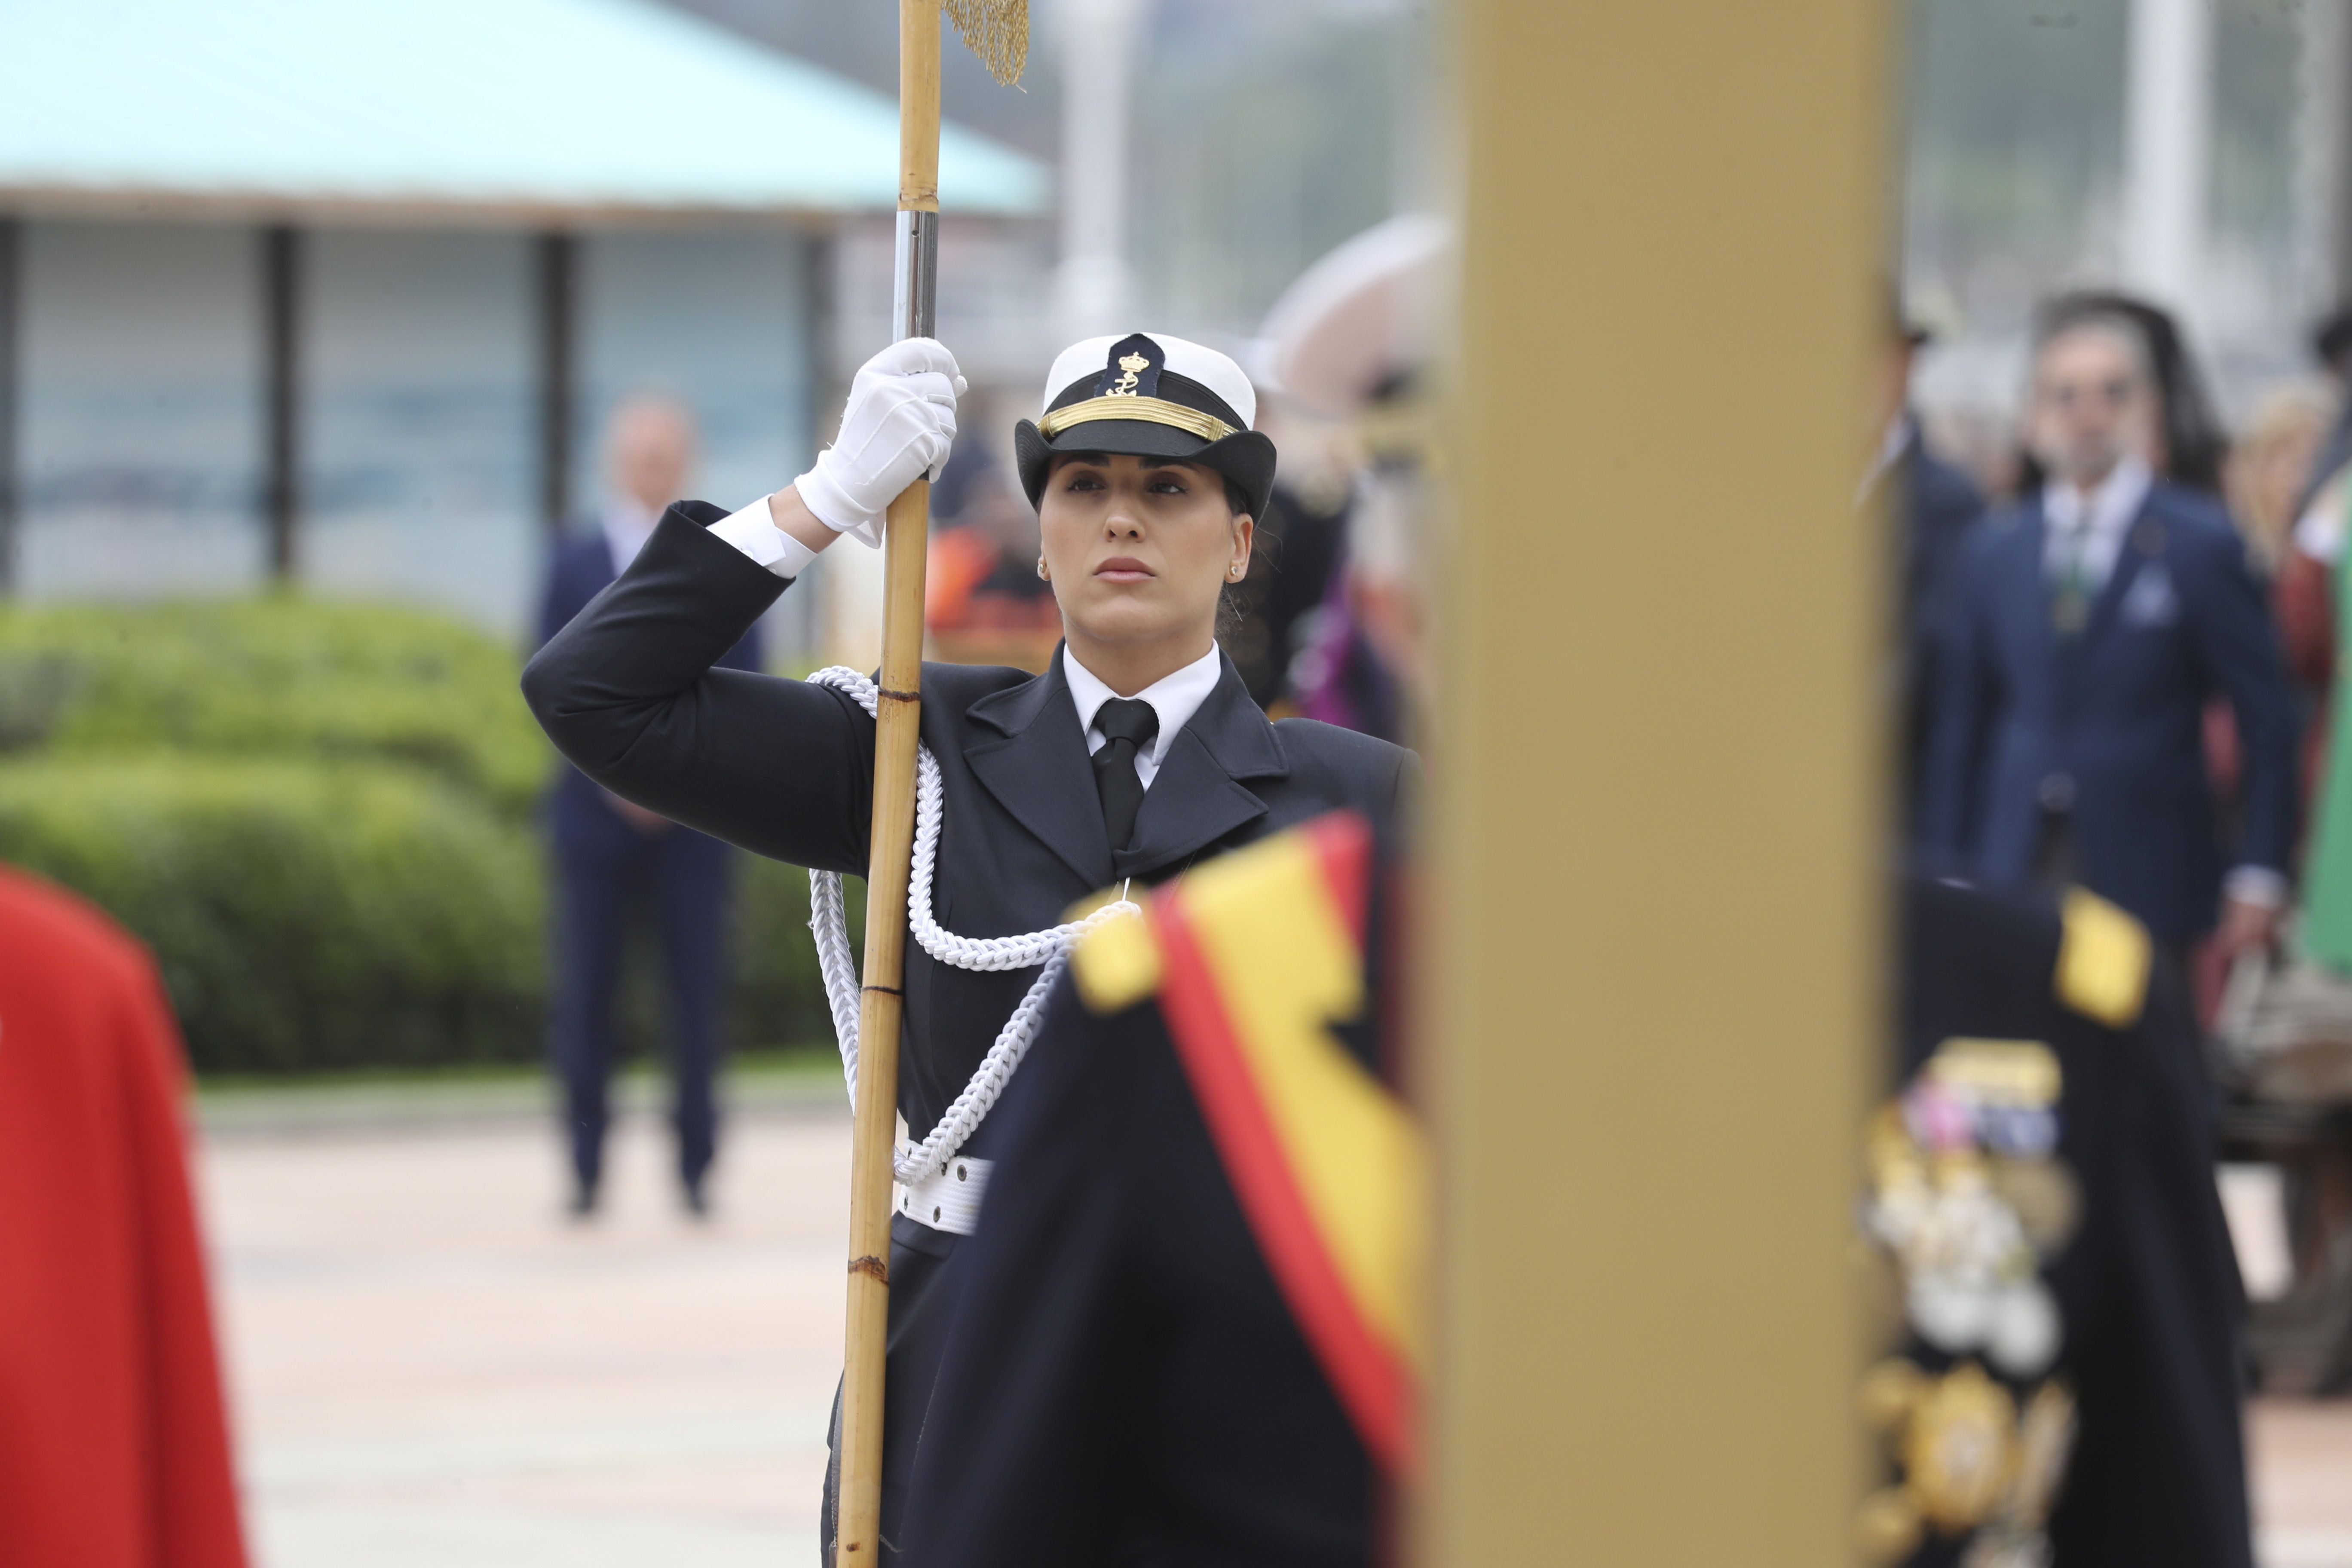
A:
1043	575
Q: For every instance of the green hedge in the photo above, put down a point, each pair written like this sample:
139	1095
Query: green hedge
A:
304	916
778	996
318	815
280	676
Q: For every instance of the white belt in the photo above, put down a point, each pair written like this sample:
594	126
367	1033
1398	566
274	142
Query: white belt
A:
948	1197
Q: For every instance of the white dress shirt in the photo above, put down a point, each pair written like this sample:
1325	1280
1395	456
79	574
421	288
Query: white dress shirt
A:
2106	514
2320	531
1891	443
627	526
754	531
1175	698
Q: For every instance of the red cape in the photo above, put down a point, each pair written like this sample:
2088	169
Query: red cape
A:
113	1449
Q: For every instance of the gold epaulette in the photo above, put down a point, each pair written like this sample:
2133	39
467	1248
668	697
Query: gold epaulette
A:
1116	965
2103	956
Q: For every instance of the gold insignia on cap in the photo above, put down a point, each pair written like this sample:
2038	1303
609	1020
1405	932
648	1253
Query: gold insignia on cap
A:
1134	365
1129	405
2102	960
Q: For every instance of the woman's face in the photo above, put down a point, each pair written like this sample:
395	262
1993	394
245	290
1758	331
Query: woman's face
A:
1138	549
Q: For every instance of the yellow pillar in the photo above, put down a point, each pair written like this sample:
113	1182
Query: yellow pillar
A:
1657	797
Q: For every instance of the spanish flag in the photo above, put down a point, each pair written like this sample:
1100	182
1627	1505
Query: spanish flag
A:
1254	957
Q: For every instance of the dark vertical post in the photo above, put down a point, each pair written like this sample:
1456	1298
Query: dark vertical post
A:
12	296
281	283
558	373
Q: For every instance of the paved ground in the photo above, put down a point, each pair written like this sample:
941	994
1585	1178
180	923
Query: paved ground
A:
430	1367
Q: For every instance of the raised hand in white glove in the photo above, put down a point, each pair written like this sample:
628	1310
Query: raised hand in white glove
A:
899	424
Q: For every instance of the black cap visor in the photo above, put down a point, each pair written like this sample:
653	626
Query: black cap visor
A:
1245	457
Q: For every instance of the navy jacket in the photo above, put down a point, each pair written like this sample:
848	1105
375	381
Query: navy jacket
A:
578	569
1125	1382
2110	723
785	769
1932	505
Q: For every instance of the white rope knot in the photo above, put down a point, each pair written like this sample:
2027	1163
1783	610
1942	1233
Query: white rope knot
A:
829	921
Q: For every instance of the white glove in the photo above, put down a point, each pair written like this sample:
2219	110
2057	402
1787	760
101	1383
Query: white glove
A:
899	424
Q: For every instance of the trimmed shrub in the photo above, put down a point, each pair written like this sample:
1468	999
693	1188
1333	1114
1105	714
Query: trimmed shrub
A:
319	817
278	676
304	916
778	995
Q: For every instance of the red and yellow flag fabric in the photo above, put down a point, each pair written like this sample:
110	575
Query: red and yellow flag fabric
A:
1254	957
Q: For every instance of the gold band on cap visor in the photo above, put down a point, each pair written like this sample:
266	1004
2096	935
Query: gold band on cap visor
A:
1152	410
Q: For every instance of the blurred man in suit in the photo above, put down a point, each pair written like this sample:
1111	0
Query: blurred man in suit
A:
1930	505
615	860
2090	626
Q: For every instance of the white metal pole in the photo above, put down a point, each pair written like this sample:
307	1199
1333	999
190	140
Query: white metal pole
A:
2168	134
2322	126
1097	45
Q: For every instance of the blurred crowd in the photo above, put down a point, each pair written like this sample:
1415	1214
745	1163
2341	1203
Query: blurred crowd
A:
2178	572
2117	640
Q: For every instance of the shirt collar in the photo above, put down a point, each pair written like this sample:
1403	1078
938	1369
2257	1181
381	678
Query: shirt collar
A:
627	527
2111	507
1891	447
1175	698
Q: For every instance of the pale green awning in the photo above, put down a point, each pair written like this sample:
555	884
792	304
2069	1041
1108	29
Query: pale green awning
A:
595	108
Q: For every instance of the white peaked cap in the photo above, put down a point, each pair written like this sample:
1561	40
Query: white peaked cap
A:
1218	372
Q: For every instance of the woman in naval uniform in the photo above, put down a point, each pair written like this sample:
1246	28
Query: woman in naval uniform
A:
1136	754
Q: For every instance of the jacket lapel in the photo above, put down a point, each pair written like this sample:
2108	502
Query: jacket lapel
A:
1197	797
2143	539
1039	771
2030	561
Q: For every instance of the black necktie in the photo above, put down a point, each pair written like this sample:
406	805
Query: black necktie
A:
1126	724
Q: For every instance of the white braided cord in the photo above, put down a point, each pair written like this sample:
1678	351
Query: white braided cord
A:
829	923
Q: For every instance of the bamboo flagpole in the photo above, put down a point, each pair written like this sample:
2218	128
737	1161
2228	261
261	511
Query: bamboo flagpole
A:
997	31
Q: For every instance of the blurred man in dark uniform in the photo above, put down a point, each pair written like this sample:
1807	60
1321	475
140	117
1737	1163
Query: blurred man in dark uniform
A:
1169	1347
615	862
2064	1377
1930	505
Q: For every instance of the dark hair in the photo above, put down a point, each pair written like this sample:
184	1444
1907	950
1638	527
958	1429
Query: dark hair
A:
1230	608
2194	444
2331	341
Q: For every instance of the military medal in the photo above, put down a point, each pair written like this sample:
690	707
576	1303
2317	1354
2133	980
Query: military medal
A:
2045	1198
1960	1449
2023	1335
